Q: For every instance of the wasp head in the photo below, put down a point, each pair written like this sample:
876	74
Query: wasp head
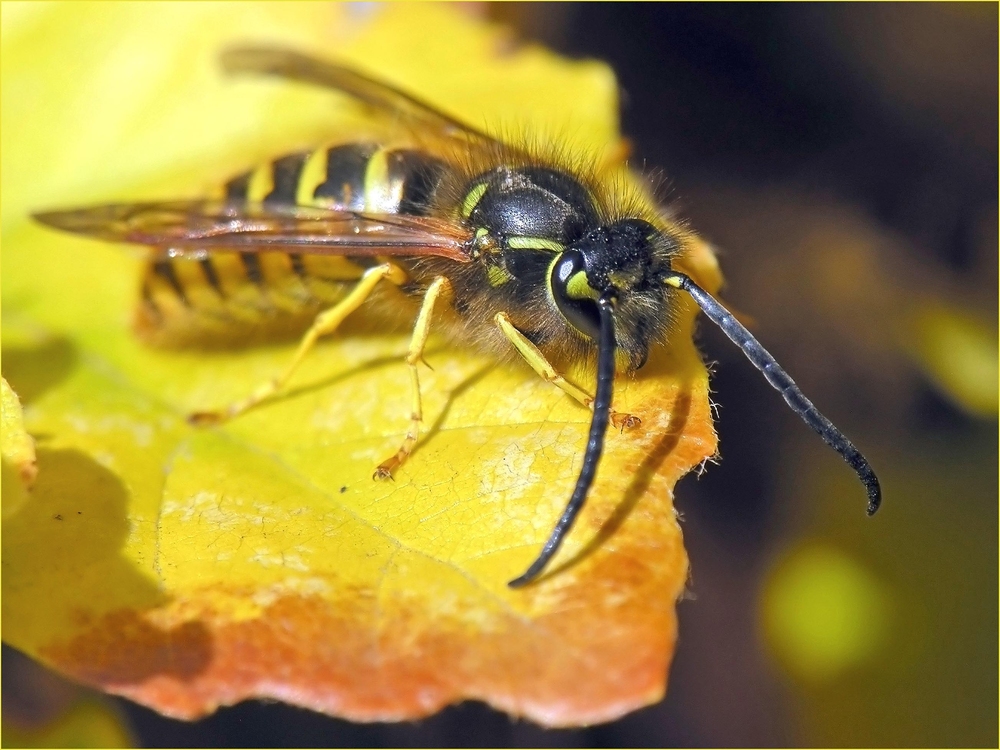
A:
625	261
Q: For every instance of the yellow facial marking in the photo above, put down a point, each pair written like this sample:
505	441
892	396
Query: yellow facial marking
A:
673	281
578	288
534	243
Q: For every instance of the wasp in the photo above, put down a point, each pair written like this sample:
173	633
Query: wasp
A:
513	251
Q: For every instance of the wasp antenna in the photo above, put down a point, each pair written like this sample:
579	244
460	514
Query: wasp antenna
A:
783	383
595	443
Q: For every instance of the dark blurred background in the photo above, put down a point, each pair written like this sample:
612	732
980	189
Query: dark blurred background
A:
843	160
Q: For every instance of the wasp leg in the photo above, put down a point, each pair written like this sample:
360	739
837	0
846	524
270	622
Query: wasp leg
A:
326	323
541	365
415	354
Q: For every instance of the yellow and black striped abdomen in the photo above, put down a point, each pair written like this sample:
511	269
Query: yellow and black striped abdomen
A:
356	176
238	298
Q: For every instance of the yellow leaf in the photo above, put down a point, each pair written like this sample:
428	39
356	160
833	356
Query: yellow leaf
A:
17	450
196	568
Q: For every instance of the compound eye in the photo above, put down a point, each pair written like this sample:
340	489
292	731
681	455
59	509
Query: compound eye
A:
575	299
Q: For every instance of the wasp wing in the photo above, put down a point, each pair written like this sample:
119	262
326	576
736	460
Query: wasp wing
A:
196	228
378	94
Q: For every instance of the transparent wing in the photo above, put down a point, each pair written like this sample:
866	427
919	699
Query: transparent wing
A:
196	228
378	94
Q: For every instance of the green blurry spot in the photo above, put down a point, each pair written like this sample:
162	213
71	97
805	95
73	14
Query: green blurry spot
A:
823	613
960	356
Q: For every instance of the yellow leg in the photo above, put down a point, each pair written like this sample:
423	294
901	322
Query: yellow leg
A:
534	357
326	323
415	354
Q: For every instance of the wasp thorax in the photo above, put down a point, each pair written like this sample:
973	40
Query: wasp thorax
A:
532	208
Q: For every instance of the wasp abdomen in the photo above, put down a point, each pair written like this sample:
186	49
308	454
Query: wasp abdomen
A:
259	290
229	297
344	180
361	177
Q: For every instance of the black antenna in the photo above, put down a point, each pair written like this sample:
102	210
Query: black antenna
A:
595	442
783	383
